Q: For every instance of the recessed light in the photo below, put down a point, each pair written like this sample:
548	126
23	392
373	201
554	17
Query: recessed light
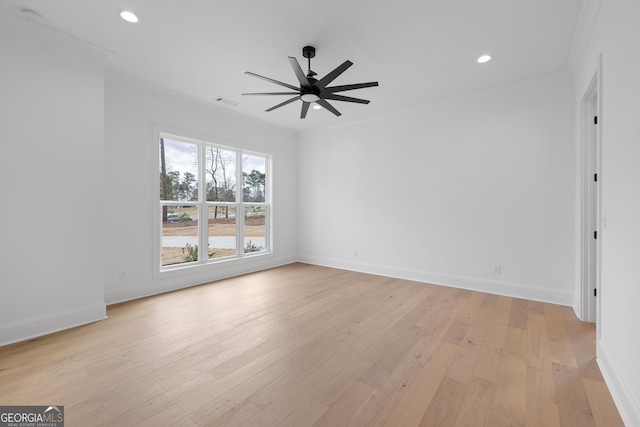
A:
317	107
484	58
128	16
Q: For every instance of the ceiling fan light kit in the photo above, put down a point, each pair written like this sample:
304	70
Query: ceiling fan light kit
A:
312	90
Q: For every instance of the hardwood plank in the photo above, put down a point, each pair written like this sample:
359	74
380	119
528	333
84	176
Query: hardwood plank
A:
582	338
541	404
445	405
410	409
475	410
112	403
306	414
537	346
390	357
488	363
499	323
302	391
601	403
518	315
377	410
535	307
185	422
236	415
463	362
347	405
509	403
573	405
331	388
240	386
456	332
296	369
560	347
517	342
489	301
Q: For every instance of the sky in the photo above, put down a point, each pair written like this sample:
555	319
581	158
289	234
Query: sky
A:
181	156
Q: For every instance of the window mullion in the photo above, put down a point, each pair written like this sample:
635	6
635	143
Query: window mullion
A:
239	205
203	216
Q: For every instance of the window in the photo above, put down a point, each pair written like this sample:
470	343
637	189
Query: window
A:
213	202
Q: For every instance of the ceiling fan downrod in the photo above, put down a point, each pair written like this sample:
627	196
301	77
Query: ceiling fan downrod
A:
309	52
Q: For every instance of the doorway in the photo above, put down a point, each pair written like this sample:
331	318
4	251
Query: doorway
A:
591	207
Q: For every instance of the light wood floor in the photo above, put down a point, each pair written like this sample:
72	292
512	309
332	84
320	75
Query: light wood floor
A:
304	345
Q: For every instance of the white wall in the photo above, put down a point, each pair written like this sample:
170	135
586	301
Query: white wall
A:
616	35
132	110
443	193
51	125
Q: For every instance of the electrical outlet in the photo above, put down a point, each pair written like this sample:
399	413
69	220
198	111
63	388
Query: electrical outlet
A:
355	252
497	269
122	274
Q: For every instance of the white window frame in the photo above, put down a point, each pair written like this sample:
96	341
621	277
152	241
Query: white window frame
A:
203	205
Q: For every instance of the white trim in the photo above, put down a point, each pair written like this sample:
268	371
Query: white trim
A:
589	199
600	216
628	408
38	326
517	290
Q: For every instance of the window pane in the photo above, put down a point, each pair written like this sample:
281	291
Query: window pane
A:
179	234
254	229
253	178
198	178
220	170
178	170
222	231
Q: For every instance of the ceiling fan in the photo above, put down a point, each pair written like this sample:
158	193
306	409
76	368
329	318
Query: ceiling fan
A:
313	90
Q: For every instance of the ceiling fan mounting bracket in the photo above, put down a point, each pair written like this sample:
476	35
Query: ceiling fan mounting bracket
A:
309	52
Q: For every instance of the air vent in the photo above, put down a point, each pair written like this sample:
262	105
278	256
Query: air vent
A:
229	102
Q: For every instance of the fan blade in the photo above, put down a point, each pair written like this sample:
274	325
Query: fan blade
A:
282	104
333	74
328	106
342	88
346	99
273	93
249	73
305	108
299	73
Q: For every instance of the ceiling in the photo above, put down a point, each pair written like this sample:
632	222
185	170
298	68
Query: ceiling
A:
418	50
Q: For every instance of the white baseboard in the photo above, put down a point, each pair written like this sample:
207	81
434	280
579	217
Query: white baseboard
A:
627	406
516	290
186	278
34	327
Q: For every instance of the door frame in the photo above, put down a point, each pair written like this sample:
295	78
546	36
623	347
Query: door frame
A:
591	200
